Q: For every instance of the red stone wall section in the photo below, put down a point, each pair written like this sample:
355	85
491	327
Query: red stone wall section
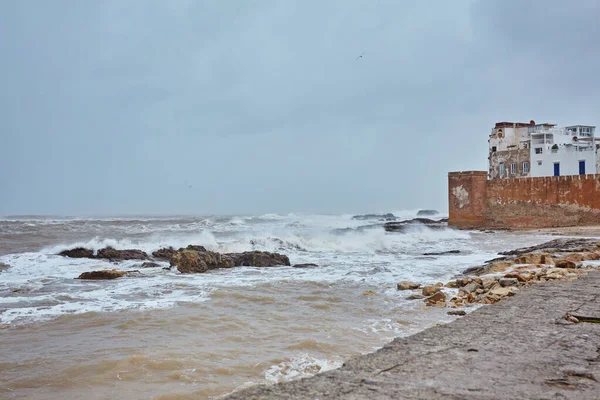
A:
524	202
467	198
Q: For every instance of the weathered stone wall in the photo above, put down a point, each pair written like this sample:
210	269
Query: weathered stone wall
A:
467	198
524	203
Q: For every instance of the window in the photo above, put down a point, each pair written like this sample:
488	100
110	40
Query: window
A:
493	149
513	168
501	169
539	163
538	150
525	167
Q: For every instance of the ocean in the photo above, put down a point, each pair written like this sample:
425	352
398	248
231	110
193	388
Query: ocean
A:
166	335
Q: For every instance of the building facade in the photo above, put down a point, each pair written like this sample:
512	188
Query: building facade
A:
519	150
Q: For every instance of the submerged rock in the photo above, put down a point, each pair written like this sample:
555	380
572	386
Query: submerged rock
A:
104	274
427	212
308	265
457	312
386	217
77	252
3	267
442	253
112	254
408	285
149	264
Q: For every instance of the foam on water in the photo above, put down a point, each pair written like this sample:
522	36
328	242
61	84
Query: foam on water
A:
300	366
41	284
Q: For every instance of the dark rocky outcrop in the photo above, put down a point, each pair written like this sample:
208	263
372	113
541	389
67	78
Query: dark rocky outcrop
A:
111	254
427	212
193	261
403	226
3	267
104	274
384	217
78	252
308	265
442	253
259	259
164	254
196	247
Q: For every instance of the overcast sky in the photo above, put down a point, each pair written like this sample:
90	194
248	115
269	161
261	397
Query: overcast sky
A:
118	106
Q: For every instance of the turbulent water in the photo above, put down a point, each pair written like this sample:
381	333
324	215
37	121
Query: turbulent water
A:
164	335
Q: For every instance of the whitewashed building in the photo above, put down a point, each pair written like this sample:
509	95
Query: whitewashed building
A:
518	150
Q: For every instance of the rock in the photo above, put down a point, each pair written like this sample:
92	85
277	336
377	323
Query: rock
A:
192	261
490	268
501	291
442	253
439	297
506	282
427	212
104	274
149	264
593	256
566	264
415	296
403	226
164	253
430	290
3	267
386	217
408	285
452	285
259	259
308	265
196	248
369	293
488	281
78	252
553	276
559	245
457	312
112	254
534	258
472	287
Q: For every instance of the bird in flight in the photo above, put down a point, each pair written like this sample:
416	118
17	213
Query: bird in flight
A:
363	53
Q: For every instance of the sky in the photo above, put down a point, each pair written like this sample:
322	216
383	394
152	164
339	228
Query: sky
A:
256	106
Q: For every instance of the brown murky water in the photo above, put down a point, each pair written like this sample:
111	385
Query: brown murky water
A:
174	336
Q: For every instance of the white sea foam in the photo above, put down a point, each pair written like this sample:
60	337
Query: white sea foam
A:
41	284
300	366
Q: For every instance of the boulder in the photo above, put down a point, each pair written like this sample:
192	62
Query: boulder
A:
457	312
78	252
566	264
408	285
103	274
415	296
488	281
436	299
430	290
3	267
192	261
112	254
164	254
506	282
258	259
472	287
369	293
452	285
427	212
149	264
308	265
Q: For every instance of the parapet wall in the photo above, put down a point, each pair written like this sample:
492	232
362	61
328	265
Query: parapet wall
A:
553	201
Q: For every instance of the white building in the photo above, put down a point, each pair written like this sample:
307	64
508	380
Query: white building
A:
529	150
